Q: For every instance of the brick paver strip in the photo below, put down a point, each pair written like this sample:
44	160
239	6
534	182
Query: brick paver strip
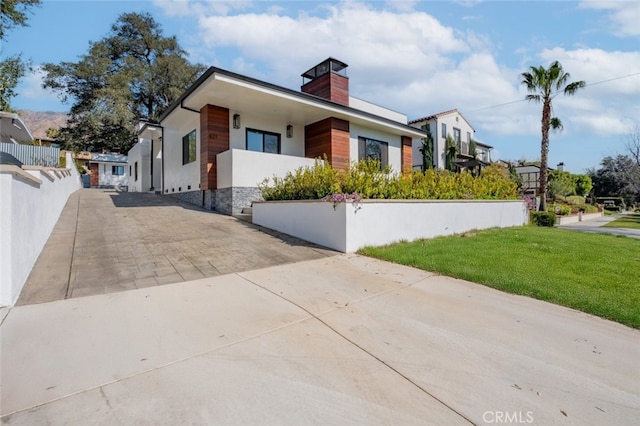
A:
107	241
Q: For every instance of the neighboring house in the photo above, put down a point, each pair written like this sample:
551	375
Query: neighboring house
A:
13	130
450	123
530	175
145	175
108	171
228	132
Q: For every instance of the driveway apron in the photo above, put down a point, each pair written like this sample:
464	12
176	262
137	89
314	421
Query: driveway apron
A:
107	241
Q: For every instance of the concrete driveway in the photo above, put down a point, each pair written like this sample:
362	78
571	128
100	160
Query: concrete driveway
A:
337	340
107	241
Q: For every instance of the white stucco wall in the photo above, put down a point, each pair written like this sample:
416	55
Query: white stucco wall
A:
376	223
31	204
179	177
288	146
371	108
106	178
241	168
394	144
140	153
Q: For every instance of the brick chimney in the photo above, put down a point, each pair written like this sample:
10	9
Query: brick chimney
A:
328	80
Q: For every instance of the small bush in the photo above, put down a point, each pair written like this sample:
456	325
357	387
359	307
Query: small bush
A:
585	208
559	209
575	200
543	218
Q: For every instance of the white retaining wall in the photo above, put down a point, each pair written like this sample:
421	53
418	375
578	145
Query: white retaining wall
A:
31	203
379	222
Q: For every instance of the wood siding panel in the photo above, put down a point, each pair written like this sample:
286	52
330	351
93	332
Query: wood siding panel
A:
407	154
214	139
329	86
95	174
330	138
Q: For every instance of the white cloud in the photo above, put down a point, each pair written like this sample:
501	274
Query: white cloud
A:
383	48
31	87
624	15
407	60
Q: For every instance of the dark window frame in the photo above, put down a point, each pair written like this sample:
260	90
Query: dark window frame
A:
189	148
115	169
443	129
263	133
363	154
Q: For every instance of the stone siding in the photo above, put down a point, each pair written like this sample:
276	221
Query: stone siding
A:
233	200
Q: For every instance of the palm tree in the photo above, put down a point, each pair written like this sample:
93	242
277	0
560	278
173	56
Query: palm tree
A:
544	84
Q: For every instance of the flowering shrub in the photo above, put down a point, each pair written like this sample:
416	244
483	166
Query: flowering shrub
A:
368	180
341	198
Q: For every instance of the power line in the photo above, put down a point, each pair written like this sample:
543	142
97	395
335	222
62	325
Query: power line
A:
522	100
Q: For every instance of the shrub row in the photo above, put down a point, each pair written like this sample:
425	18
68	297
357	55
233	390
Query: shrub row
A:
368	180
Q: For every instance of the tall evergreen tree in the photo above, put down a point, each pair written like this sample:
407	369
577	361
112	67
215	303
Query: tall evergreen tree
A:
134	72
543	85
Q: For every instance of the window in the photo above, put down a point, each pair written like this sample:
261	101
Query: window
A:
456	135
117	170
258	140
370	149
189	148
136	169
444	131
469	137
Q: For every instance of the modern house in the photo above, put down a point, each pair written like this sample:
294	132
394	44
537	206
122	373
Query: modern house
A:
108	171
450	123
228	132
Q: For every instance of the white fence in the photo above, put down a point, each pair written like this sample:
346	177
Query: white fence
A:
33	155
32	200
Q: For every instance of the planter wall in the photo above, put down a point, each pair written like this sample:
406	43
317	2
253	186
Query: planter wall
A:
564	220
380	222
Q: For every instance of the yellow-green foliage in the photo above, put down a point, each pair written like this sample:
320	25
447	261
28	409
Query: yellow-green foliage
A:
368	180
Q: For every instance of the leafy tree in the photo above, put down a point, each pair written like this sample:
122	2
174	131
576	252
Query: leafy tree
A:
451	154
561	184
12	69
583	185
612	179
134	72
543	85
427	152
12	13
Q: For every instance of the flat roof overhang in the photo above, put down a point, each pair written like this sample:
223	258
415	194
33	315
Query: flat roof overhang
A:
13	129
242	94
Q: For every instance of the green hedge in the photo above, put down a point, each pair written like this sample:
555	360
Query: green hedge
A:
369	181
543	218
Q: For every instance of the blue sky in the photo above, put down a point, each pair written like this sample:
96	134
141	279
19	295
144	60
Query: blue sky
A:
415	57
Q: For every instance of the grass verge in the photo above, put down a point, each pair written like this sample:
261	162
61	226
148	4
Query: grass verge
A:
627	221
593	273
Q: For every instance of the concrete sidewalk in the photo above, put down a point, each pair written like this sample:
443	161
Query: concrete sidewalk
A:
596	226
338	340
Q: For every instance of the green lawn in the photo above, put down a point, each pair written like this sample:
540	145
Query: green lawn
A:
594	273
627	221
